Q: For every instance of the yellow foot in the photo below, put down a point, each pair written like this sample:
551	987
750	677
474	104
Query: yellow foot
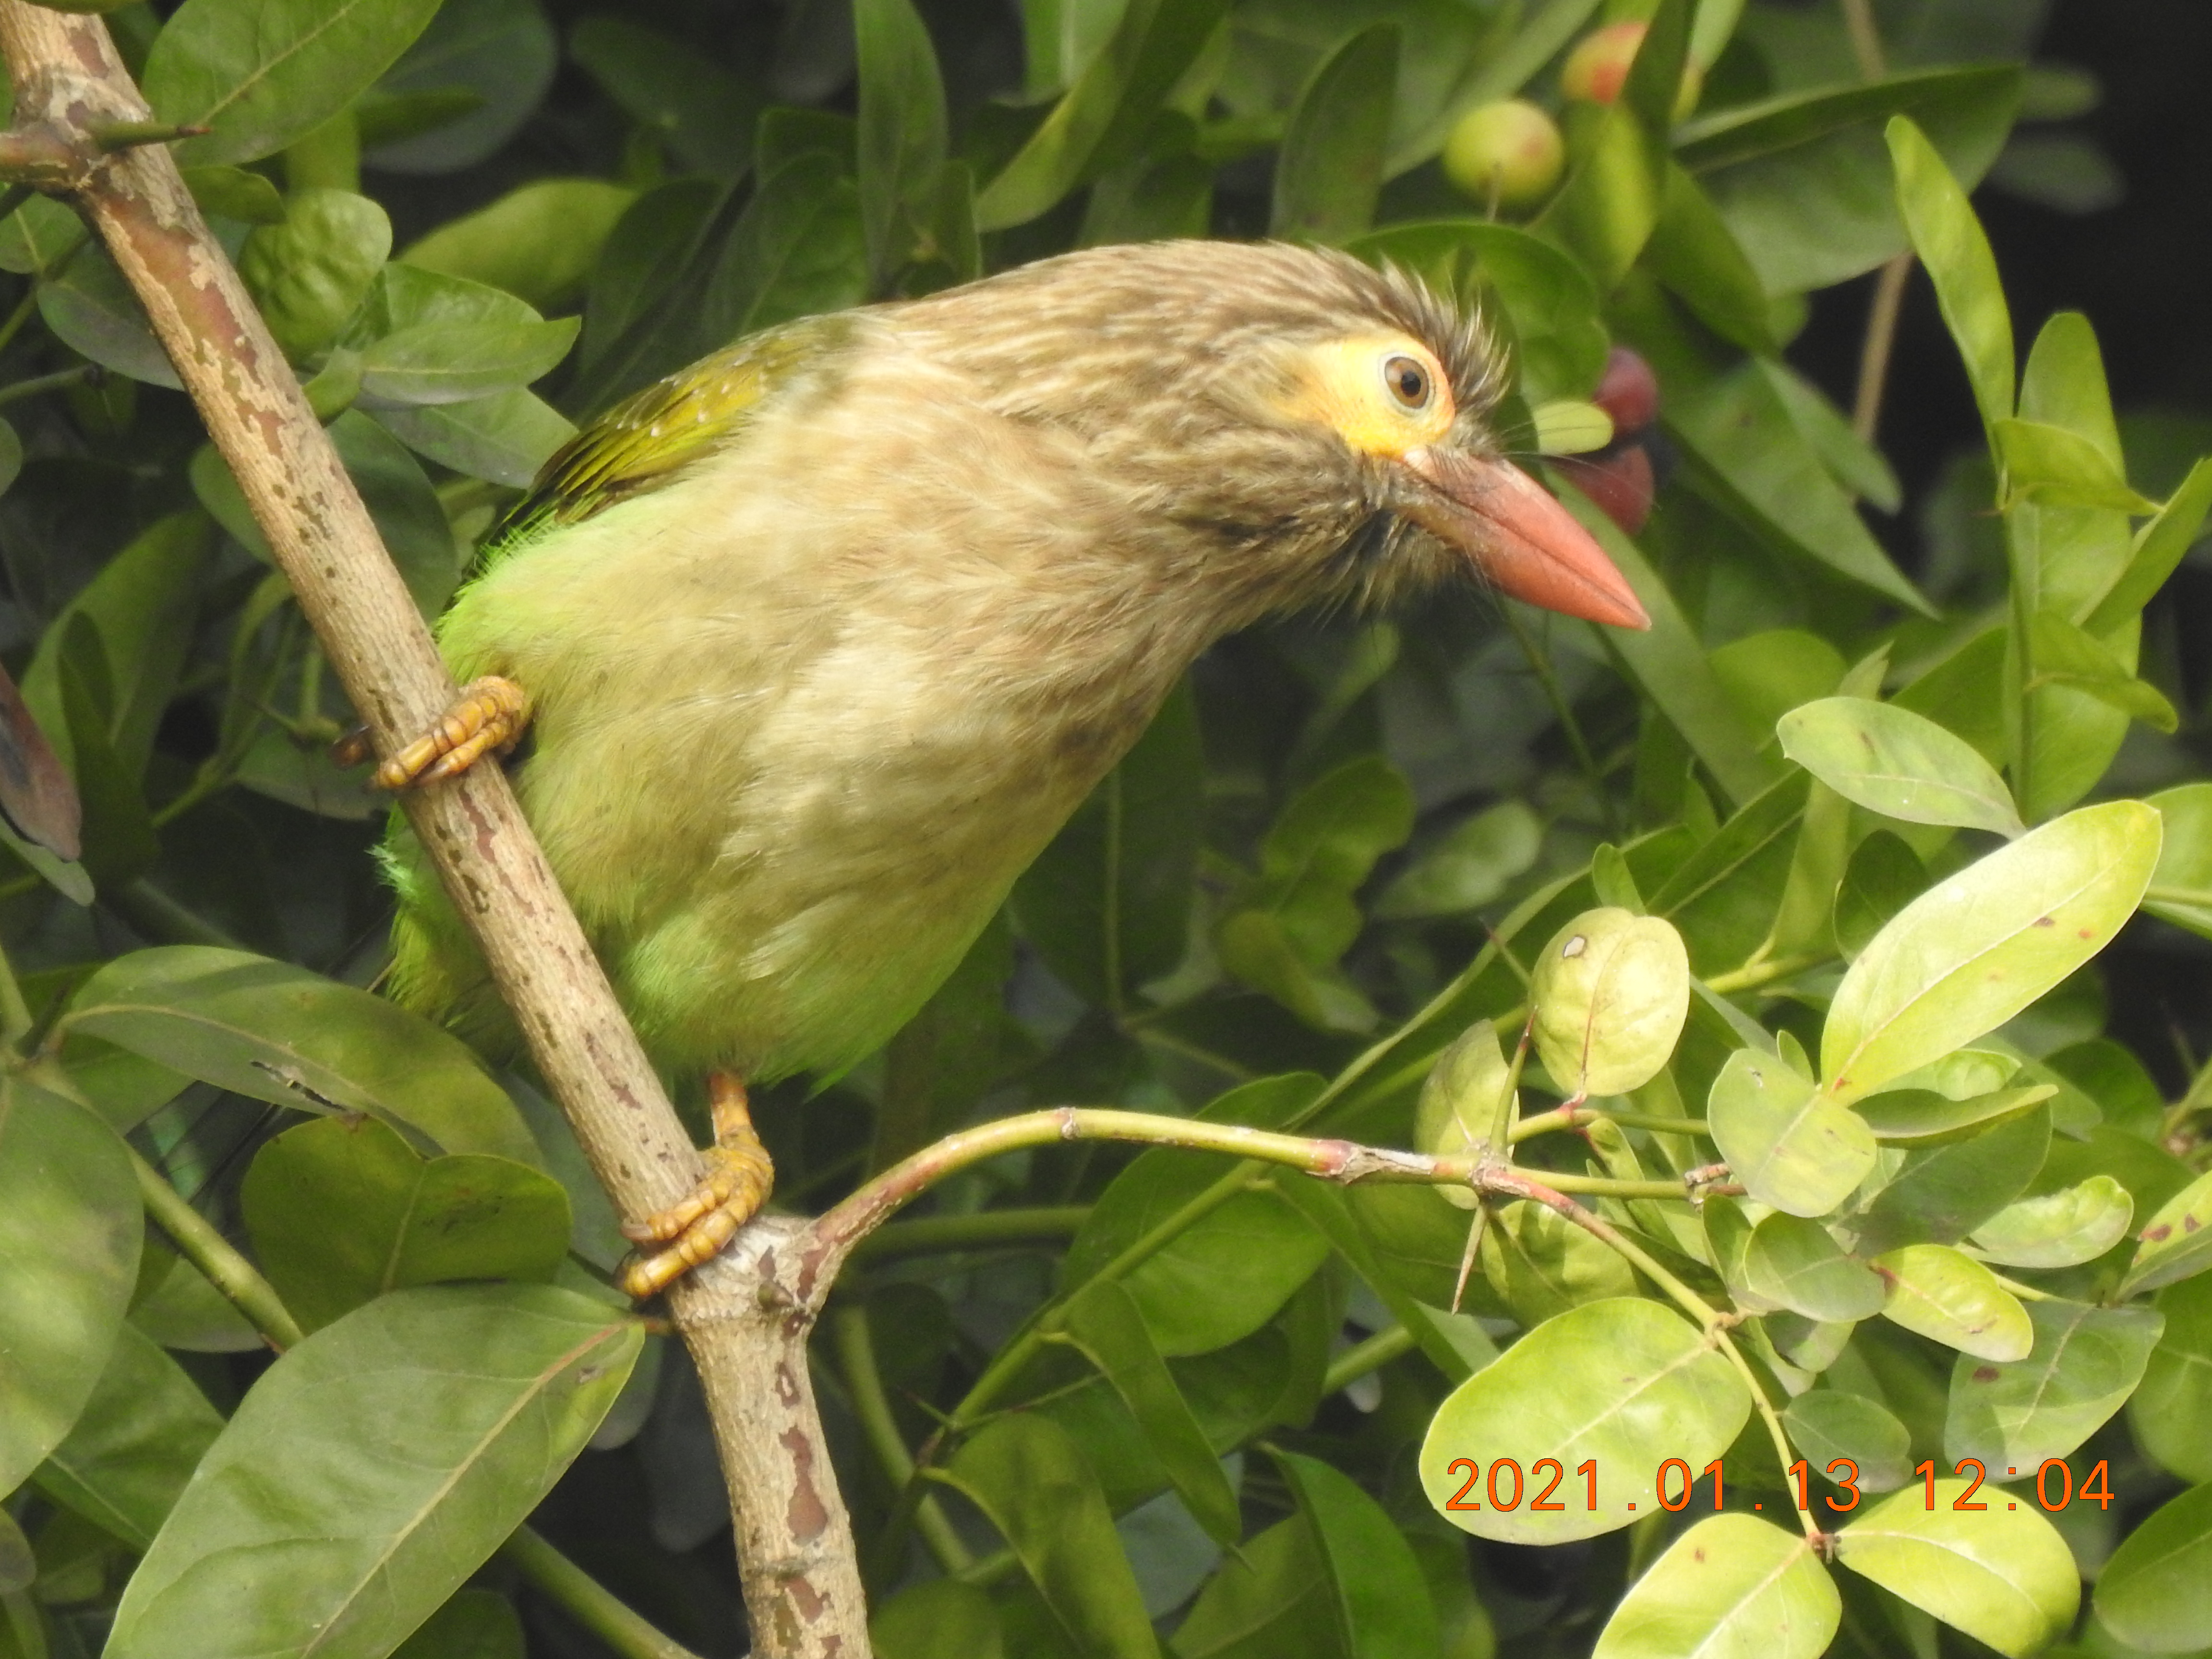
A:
737	1181
490	714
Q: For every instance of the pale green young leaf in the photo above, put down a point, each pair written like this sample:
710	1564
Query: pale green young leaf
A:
2005	1577
1903	765
1789	1147
1951	244
1946	1296
1731	1584
2181	885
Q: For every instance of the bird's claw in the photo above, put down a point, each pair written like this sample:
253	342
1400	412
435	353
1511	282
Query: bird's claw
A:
490	715
738	1179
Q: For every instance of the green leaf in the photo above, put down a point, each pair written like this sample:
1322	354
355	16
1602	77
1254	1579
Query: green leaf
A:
1794	1263
39	236
2055	467
2171	1411
1470	866
1803	182
1381	1606
1731	1584
1567	426
135	1444
262	73
1883	877
2063	1229
1749	453
2067	656
1108	903
1103	117
1724	895
406	509
1788	1147
1827	1424
1667	664
1951	244
705	114
2177	1242
1973	951
1608	1382
456	362
1614	194
1903	765
343	1210
309	271
538	242
235	193
902	130
1330	168
1927	1117
1031	1478
504	439
1951	1298
937	1618
1944	1192
498	55
278	1033
1696	255
69	1230
798	248
1223	1275
373	1469
2151	1593
2181	885
2004	1577
2085	1363
1852	461
1271	1599
476	1624
2158	546
91	310
1541	1265
1105	1322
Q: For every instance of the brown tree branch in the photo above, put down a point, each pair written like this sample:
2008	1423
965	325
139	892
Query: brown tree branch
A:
746	1331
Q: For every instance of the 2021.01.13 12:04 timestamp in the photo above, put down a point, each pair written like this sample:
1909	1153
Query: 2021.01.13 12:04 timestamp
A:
1504	1486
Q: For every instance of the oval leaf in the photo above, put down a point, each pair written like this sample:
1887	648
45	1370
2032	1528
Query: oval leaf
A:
1972	951
2177	1242
1900	764
1381	1606
1793	1262
2086	1363
2063	1229
1731	1584
1953	1299
2003	1575
1625	1382
1788	1147
2151	1593
135	1444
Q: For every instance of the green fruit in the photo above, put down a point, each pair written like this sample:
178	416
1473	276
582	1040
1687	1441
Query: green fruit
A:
1509	148
1597	68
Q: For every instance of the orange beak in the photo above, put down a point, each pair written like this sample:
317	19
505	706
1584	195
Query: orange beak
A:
1523	540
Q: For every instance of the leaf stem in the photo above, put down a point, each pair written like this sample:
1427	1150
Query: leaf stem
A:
856	1359
15	1012
586	1601
1363	1358
987	1229
1573	1117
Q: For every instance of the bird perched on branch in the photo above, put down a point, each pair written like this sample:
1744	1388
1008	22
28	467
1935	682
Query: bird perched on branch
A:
819	641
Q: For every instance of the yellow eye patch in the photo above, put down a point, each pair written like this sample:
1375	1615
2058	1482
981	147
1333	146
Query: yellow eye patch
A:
1382	394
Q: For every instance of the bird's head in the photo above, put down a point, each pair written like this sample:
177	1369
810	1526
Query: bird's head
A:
1306	428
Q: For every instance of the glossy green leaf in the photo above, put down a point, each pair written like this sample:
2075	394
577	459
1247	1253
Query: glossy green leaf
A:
1951	1298
1470	866
2181	885
1329	169
1320	851
1696	255
2158	546
308	271
1851	460
2058	468
1898	763
2177	1242
2171	1411
373	1468
500	55
1827	1424
1943	1192
538	242
19	1566
1273	1600
2086	1362
37	236
91	309
278	1033
1137	840
135	1444
69	1230
1801	178
1614	1382
1382	1605
341	1210
457	362
2004	1577
1615	194
1771	672
2063	1229
1975	949
262	75
1031	1478
1106	1323
2151	1593
1951	244
1789	1147
901	130
1104	115
1739	437
2067	656
937	1618
1732	1584
1794	1263
504	439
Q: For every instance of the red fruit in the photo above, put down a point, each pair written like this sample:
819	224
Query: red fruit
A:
1620	483
1628	391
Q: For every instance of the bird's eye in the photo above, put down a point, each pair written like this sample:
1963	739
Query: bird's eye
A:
1408	381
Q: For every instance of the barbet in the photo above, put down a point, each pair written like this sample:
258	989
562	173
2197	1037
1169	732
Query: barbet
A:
819	641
